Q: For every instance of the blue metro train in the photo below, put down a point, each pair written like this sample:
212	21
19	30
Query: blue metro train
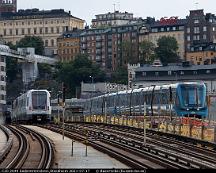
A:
180	99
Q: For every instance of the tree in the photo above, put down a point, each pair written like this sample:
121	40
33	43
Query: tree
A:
147	54
74	72
167	49
128	53
32	41
120	76
45	70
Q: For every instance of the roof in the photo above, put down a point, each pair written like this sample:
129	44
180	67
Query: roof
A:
34	13
175	68
178	22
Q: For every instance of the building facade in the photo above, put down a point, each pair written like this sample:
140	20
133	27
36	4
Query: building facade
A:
113	19
172	27
48	24
203	55
111	47
8	6
69	45
200	29
2	84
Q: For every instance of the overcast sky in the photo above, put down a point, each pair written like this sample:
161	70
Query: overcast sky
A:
87	9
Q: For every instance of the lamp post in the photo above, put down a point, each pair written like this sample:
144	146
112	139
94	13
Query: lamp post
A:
92	82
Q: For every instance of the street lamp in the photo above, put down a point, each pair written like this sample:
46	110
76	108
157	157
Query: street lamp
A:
92	81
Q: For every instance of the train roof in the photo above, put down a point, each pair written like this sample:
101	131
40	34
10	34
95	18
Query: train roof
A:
150	88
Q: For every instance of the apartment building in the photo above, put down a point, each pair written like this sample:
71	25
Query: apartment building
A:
113	19
8	6
69	45
172	27
200	29
203	55
48	24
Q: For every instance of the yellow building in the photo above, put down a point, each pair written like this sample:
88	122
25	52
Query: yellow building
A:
69	45
48	24
202	57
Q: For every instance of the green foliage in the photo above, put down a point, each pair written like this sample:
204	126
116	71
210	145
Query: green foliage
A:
45	70
10	44
147	55
128	55
73	73
120	76
32	41
167	49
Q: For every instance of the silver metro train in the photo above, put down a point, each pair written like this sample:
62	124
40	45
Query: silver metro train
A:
180	99
32	106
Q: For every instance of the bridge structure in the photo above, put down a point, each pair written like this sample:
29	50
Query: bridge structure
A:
29	61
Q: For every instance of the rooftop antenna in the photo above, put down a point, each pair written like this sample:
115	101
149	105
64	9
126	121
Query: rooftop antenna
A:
119	6
114	7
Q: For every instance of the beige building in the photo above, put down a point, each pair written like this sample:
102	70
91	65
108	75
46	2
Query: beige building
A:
166	27
48	24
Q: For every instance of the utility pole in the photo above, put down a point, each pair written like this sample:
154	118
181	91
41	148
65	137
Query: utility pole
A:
144	123
63	100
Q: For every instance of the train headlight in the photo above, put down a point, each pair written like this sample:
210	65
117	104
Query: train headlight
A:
187	109
198	109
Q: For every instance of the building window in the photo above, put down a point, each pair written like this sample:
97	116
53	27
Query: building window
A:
46	30
23	31
5	32
2	78
143	74
41	30
204	36
188	30
204	28
52	42
2	59
11	32
57	30
52	30
196	37
2	68
17	32
196	30
2	97
154	30
46	43
2	87
196	21
29	30
188	38
35	30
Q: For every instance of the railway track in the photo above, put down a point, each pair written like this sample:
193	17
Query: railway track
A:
29	150
159	152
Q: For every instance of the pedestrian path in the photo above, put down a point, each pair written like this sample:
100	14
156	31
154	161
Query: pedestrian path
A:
79	160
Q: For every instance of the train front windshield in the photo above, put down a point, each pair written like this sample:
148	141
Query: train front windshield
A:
39	100
193	96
